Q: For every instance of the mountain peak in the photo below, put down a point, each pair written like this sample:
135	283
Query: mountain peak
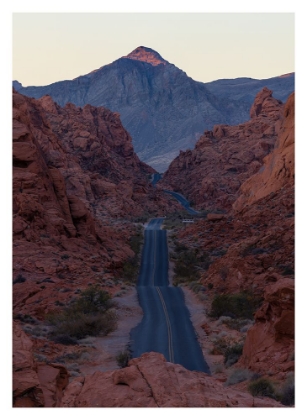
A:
147	55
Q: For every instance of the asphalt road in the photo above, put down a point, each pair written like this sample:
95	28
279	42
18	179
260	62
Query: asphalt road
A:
166	326
183	201
155	179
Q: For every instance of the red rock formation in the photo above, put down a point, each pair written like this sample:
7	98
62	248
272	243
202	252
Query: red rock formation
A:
150	381
252	248
269	345
278	169
257	237
34	385
75	177
211	174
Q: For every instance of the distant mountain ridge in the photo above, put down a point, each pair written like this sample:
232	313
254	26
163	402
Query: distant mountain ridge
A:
163	109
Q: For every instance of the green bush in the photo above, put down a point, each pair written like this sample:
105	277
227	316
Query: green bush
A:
240	305
287	394
238	375
90	314
236	324
123	358
233	353
188	264
262	387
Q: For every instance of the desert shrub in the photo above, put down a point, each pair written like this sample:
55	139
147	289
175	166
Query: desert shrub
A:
220	346
64	339
219	368
89	314
233	353
19	279
240	305
136	242
189	262
287	396
236	324
130	270
82	325
122	358
26	318
180	247
262	387
238	375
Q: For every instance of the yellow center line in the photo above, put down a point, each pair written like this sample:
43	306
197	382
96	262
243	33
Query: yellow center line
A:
169	329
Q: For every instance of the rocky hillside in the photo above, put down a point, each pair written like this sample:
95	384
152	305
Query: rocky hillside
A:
163	109
250	249
210	175
76	184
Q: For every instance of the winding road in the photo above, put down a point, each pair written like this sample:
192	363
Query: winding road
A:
183	201
166	326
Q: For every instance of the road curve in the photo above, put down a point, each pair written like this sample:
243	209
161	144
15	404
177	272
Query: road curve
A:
183	201
166	326
155	179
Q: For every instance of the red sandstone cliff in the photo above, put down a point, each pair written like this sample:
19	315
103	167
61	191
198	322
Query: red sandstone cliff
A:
210	175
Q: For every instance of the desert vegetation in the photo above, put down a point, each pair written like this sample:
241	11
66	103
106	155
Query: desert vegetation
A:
239	305
88	315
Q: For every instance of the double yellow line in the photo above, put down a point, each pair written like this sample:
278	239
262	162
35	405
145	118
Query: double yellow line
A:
168	324
169	329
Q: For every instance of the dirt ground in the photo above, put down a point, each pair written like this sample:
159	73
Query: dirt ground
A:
103	350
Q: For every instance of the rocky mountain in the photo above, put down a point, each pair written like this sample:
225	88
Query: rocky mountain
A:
163	109
76	184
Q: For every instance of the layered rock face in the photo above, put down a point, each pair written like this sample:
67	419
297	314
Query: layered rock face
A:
210	175
150	381
75	178
34	384
278	169
163	109
269	344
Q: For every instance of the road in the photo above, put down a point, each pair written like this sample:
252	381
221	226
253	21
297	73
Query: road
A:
183	201
155	179
166	326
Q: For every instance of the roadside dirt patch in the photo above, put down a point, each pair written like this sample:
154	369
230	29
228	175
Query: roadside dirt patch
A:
102	351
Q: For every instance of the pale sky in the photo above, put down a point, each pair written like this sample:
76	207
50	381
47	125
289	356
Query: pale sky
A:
48	47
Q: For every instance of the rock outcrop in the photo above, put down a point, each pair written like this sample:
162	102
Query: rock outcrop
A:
278	169
211	174
163	109
150	381
34	384
269	344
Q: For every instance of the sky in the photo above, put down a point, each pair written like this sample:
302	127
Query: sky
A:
48	47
